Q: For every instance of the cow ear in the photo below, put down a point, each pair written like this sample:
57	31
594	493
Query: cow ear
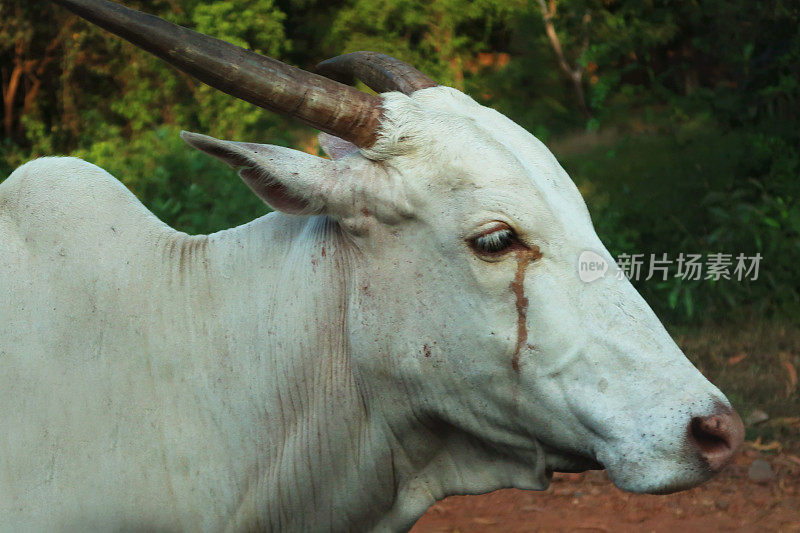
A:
288	180
336	147
354	190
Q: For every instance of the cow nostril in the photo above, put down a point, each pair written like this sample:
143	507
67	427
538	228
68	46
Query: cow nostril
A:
707	435
717	437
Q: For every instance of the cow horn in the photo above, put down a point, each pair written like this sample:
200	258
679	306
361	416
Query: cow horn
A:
379	72
318	101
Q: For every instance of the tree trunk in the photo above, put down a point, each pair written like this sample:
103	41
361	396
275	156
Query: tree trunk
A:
10	91
33	70
577	84
9	95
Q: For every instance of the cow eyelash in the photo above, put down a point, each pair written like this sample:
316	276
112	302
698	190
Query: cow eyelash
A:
494	242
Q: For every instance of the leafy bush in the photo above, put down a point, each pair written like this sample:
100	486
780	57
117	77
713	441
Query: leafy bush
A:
706	94
701	192
187	189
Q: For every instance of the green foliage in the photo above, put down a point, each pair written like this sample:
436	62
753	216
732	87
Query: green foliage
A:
436	37
122	109
696	104
707	192
183	187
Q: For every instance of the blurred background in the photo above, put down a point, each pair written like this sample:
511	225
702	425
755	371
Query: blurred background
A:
678	120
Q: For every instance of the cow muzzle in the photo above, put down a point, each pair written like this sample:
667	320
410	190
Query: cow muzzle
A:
716	437
662	455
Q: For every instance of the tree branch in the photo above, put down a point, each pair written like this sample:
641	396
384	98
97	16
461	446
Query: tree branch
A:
575	74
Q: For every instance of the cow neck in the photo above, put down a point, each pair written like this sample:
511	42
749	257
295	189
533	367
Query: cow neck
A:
284	281
278	306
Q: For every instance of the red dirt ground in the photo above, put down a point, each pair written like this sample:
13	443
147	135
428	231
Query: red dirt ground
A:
589	502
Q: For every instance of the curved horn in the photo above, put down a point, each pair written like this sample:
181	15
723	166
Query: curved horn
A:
320	102
379	72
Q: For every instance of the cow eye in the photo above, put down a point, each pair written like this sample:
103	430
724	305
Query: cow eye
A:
495	241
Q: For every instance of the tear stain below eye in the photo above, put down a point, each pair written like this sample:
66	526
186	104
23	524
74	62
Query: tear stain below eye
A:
524	258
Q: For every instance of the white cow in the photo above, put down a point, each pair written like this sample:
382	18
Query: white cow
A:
408	324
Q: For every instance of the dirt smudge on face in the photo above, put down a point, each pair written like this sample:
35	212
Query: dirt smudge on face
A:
524	258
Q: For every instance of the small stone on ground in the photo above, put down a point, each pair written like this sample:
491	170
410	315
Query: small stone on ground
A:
760	471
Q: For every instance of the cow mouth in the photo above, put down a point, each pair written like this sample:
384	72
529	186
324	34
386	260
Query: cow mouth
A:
570	462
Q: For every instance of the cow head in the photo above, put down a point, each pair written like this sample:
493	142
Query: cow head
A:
468	306
465	305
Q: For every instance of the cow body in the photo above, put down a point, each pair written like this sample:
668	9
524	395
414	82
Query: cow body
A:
338	368
154	380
